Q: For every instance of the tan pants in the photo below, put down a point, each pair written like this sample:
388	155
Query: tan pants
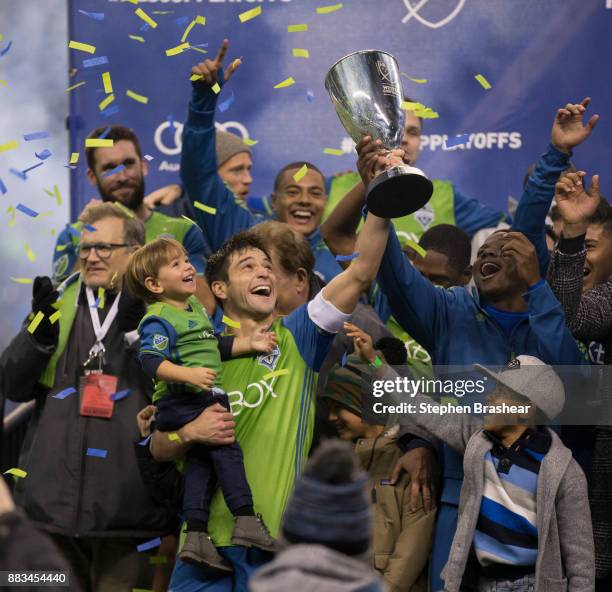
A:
107	564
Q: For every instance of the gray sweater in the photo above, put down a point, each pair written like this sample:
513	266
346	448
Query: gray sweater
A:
566	556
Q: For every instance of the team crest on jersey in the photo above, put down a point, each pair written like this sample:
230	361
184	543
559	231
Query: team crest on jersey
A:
424	216
270	360
160	342
60	266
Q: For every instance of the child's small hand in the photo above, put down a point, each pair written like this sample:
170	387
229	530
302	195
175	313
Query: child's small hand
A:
263	341
362	342
144	418
203	378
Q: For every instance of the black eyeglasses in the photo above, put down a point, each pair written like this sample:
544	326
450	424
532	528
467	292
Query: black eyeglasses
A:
103	250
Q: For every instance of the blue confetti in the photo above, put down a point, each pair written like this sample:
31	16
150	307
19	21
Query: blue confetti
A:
35	136
114	171
43	155
96	16
97	452
65	393
5	50
347	257
72	230
18	174
146	441
201	45
27	211
149	545
91	62
120	395
144	28
225	105
70	166
2	187
90	228
344	359
96	304
457	140
112	110
104	133
35	166
183	20
310	96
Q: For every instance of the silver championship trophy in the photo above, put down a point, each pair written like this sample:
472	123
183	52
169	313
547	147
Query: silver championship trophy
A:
366	91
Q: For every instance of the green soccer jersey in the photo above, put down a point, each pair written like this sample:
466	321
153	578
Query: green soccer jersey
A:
183	337
273	400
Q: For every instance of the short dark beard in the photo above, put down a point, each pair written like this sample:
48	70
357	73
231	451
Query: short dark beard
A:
133	203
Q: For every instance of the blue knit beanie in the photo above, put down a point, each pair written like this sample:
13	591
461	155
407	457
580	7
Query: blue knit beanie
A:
329	505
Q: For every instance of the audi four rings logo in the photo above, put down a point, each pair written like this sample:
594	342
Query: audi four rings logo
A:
168	141
413	12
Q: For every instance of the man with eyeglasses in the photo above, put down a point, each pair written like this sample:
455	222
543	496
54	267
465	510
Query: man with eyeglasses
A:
76	359
118	172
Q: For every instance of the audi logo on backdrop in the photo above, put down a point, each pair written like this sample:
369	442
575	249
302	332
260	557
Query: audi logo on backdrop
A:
168	141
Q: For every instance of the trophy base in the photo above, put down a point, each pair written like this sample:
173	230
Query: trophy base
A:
398	191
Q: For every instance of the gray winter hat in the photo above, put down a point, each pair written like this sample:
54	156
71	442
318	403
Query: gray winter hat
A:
329	505
229	145
531	378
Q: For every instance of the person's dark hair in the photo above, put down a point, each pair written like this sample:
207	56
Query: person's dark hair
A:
451	241
393	349
603	216
296	165
116	133
219	262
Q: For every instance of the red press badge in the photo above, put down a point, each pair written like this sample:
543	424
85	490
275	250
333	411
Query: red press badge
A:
95	392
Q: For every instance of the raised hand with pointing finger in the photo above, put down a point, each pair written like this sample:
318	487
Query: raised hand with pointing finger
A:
208	70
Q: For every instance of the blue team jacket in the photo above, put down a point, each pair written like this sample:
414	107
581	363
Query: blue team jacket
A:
203	184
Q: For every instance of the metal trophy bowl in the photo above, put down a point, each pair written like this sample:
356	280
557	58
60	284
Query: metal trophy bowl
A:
366	91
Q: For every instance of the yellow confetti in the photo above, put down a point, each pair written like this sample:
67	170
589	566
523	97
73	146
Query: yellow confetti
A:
333	151
249	14
36	321
205	208
99	143
250	142
198	49
101	297
31	254
282	372
106	81
411	106
328	9
137	38
82	47
75	86
427	113
176	50
158	560
188	219
126	211
22	280
174	437
285	83
417	80
145	17
20	473
1	36
9	146
483	81
300	174
300	53
195	77
140	98
230	323
418	248
199	20
133	1
55	317
74	158
216	88
3	82
297	28
58	197
106	102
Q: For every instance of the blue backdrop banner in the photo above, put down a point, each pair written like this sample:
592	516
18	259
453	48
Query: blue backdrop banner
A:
536	56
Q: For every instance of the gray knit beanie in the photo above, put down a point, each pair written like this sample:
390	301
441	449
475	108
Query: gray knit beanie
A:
229	145
329	505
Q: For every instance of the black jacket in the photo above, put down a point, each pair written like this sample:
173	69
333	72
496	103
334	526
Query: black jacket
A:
66	491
